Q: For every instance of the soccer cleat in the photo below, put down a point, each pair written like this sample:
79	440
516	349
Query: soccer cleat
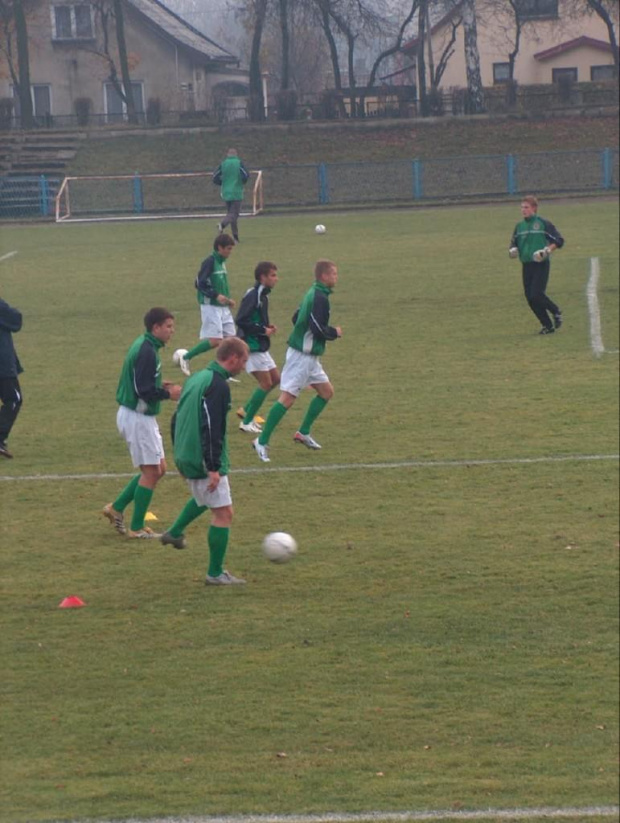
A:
178	542
546	330
558	319
241	412
250	428
219	228
4	452
143	534
261	451
224	579
306	440
115	518
234	380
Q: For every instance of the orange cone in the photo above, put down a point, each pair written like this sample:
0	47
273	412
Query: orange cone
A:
72	602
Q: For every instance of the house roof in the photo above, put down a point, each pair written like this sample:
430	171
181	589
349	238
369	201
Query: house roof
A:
569	45
181	31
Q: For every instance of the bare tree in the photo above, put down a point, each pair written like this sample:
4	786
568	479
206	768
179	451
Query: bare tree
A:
14	46
609	12
257	102
472	58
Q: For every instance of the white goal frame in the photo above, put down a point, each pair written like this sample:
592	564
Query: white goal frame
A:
62	201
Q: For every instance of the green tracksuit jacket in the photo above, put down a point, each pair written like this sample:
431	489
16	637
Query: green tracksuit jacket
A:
199	425
533	234
311	322
212	279
140	384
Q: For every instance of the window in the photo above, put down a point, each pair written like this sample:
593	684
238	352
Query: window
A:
603	73
501	73
73	22
41	102
537	9
564	75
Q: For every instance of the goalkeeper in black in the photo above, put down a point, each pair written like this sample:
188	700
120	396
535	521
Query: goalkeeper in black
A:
533	241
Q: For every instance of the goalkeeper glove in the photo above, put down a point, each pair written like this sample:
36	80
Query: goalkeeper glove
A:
513	252
541	254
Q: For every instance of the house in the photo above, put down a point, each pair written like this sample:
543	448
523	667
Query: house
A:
555	41
170	62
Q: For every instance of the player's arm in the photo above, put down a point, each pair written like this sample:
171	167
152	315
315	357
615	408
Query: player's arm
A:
145	374
244	316
513	248
215	403
203	280
554	238
244	174
319	318
10	318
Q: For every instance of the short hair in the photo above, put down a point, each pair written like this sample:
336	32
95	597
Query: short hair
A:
156	316
322	267
222	241
263	268
231	153
229	347
533	201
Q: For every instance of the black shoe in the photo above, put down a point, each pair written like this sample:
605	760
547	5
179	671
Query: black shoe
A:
4	452
546	330
557	320
236	239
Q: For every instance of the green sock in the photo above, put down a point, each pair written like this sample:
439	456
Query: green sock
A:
217	539
314	409
190	512
126	496
254	404
199	348
275	415
141	500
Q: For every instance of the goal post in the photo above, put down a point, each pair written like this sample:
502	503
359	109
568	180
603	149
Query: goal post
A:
148	197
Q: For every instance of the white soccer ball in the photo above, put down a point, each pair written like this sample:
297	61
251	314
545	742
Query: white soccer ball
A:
279	547
320	229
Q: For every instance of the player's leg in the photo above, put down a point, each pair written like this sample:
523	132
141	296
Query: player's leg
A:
263	369
218	535
150	476
235	209
535	277
175	536
227	218
324	393
211	327
11	402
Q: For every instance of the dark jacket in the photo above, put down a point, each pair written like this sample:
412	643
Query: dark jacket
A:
10	321
253	318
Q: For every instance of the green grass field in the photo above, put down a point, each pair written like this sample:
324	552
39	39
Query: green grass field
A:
446	638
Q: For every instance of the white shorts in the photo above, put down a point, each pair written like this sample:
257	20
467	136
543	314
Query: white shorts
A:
217	321
214	500
301	370
260	361
142	435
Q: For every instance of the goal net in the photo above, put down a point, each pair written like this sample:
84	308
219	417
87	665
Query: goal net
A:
148	197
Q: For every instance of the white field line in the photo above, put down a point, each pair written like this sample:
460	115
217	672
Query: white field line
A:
7	256
549	813
594	310
404	464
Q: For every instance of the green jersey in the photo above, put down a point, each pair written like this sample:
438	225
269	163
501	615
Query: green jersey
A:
212	280
140	384
199	435
533	234
311	322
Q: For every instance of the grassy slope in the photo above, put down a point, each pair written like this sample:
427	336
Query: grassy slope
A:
271	146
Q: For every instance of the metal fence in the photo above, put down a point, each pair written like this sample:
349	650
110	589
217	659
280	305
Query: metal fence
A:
398	182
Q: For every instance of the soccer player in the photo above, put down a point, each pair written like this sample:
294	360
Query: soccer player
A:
533	241
231	175
201	455
254	327
10	369
139	395
303	367
215	302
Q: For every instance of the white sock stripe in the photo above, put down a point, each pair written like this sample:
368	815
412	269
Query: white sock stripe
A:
404	464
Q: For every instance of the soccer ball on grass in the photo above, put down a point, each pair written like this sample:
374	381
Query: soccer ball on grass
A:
320	229
279	547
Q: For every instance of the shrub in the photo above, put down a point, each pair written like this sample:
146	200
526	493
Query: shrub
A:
82	106
153	111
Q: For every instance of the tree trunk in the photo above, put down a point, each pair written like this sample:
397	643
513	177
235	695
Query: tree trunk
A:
422	95
431	59
257	102
23	57
333	53
472	58
605	16
286	48
122	59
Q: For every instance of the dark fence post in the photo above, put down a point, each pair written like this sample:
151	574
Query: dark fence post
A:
606	160
323	184
138	194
